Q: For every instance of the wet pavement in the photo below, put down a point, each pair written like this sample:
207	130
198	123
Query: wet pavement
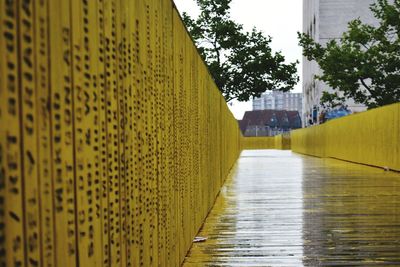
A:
281	209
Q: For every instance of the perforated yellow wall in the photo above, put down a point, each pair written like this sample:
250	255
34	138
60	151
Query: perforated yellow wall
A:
114	140
371	138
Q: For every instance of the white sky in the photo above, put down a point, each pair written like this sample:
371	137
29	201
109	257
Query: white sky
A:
281	19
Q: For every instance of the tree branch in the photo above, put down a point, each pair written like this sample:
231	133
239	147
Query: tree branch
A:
365	46
366	86
218	54
230	99
215	44
214	5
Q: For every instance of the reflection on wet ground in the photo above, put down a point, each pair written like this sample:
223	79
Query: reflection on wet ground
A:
279	208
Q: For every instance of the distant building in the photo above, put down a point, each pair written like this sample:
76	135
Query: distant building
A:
326	20
279	101
269	122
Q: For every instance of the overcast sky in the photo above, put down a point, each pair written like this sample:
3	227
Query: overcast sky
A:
281	19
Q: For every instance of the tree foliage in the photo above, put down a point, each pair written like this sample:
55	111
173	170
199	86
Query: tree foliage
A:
365	64
331	101
241	63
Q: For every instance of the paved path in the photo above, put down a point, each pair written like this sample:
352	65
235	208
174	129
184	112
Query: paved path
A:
283	209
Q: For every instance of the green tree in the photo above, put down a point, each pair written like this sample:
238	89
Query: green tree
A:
241	63
365	64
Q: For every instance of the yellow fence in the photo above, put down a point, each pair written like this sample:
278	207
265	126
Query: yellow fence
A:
114	140
371	138
272	142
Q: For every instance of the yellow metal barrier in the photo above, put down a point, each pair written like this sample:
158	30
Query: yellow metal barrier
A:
271	142
258	142
310	141
114	140
282	142
371	138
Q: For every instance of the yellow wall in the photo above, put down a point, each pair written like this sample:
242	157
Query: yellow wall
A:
258	142
271	142
371	138
282	142
114	140
310	141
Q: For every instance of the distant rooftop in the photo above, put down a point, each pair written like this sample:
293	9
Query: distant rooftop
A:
274	119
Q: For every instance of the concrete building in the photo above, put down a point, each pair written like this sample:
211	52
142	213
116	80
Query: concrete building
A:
325	20
279	101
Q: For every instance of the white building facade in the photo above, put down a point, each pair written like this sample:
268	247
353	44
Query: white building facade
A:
325	20
279	101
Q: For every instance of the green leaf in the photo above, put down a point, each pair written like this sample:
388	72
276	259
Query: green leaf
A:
241	63
365	64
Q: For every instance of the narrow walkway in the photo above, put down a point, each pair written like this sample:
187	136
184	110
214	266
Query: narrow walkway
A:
281	209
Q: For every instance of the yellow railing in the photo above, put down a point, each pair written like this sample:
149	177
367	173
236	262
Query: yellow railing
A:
114	140
371	138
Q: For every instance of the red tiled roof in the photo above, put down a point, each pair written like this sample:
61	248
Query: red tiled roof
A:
258	117
288	119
